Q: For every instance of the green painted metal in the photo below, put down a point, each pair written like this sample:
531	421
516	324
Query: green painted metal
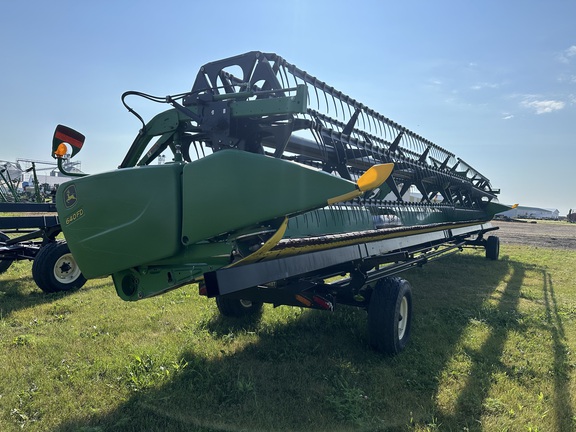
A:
493	208
186	266
163	124
131	217
330	220
7	183
120	219
271	106
230	190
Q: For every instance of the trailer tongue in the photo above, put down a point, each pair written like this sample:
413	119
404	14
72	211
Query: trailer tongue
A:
278	182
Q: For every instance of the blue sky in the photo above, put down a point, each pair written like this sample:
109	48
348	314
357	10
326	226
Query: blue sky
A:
492	81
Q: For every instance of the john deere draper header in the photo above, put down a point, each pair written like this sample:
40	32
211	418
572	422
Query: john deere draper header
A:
276	181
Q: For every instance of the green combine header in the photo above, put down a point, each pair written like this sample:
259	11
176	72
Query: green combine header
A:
279	189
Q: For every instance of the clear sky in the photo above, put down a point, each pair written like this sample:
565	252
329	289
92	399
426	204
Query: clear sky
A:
492	81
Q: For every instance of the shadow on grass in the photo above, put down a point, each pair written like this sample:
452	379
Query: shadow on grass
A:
486	361
315	372
221	326
562	401
503	318
14	297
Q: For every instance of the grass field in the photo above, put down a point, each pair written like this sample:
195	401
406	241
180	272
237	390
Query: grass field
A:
492	349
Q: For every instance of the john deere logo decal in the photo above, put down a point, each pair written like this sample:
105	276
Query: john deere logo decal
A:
70	196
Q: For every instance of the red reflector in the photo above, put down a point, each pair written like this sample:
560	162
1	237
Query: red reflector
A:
323	303
202	290
68	139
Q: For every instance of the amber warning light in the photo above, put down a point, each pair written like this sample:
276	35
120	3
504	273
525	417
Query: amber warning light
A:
65	139
61	150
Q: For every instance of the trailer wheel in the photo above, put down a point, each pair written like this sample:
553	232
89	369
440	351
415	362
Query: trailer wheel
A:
390	315
54	269
492	248
4	264
237	308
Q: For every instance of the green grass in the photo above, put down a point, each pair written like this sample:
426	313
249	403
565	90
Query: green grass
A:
492	349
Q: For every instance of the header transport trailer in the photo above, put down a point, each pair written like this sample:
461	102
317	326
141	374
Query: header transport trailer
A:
280	189
29	231
29	228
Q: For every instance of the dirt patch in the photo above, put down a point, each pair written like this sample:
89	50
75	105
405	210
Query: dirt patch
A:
557	235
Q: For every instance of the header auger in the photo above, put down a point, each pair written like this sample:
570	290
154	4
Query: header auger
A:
278	182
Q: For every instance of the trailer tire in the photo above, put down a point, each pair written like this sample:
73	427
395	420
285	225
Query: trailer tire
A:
492	248
390	315
238	308
54	269
4	264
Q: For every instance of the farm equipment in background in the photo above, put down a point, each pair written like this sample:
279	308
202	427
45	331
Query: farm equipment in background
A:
281	190
32	235
29	228
10	174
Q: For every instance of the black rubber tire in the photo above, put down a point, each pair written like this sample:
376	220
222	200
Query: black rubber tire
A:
390	315
4	264
492	248
54	269
238	308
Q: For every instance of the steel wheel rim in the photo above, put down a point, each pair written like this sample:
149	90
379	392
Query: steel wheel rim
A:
66	270
246	303
403	317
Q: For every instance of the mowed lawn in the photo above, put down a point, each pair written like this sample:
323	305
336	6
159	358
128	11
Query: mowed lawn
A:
492	349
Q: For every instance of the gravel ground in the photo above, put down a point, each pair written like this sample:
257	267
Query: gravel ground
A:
557	235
